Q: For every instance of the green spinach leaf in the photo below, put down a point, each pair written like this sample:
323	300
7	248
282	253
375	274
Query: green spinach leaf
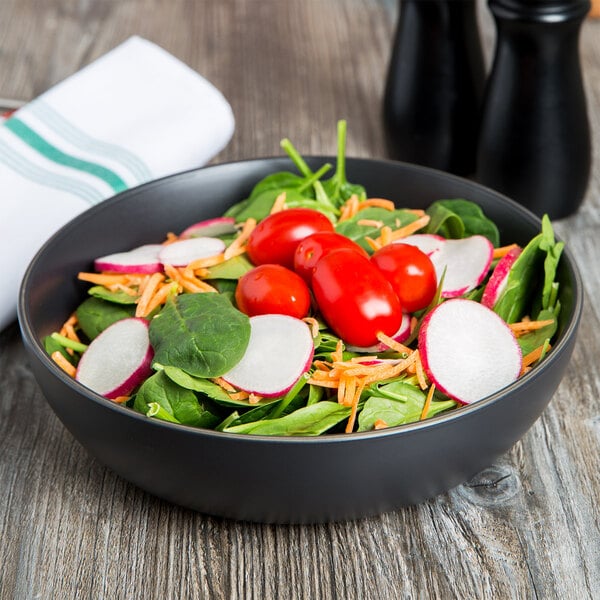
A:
95	315
118	297
202	334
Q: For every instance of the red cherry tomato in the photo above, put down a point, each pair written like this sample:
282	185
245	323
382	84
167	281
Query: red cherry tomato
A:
310	250
275	238
355	299
411	273
272	289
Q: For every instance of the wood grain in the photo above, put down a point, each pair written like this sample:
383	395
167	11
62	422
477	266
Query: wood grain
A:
526	527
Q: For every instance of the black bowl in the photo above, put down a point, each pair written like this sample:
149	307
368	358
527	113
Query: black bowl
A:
276	479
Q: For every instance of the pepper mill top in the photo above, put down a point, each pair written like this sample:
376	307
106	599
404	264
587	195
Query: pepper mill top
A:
549	11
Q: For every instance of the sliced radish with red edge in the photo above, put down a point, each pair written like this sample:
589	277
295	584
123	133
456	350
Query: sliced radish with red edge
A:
143	259
209	228
426	242
117	360
497	283
280	350
468	351
183	252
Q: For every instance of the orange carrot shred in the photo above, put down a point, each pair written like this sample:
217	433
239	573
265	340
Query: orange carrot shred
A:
63	363
279	203
375	244
355	400
102	278
370	223
534	355
121	399
203	263
240	240
503	250
525	326
378	202
151	286
380	424
313	324
420	372
427	403
393	344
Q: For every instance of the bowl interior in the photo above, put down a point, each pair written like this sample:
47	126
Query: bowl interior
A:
50	290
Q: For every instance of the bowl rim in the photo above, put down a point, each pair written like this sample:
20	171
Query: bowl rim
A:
407	429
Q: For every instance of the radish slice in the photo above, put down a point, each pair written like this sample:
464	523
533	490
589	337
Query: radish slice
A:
426	242
183	252
466	261
139	260
209	228
400	336
280	350
118	359
497	283
468	351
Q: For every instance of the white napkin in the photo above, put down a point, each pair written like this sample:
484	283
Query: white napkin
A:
133	115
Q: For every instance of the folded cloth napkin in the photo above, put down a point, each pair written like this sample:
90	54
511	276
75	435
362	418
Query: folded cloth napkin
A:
133	115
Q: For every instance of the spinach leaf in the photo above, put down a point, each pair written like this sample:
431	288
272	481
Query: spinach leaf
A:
208	388
397	403
534	339
180	403
119	297
233	268
459	218
358	233
309	420
533	273
51	346
95	315
202	334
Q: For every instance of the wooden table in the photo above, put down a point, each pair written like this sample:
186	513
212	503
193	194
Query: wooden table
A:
526	527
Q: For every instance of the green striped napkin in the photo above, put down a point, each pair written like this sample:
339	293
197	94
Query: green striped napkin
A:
133	115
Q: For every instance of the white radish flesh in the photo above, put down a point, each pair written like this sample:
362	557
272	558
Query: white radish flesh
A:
400	336
428	243
118	360
465	263
143	259
497	283
183	252
280	350
210	228
468	351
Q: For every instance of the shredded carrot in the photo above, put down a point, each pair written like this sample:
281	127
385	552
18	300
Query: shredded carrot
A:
393	344
121	399
527	325
405	231
503	250
203	263
420	372
239	395
160	297
534	355
120	287
103	278
375	244
63	363
380	424
155	280
349	208
378	202
171	237
338	354
224	384
279	203
370	223
427	403
236	246
355	400
313	324
415	211
386	236
254	398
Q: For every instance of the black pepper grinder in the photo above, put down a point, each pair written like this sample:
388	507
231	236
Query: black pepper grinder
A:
435	84
534	143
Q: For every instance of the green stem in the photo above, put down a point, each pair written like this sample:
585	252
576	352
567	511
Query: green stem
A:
340	172
296	158
68	343
314	177
156	410
289	397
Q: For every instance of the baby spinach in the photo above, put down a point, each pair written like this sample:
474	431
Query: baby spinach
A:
119	297
458	218
397	403
178	402
233	268
95	315
202	334
309	420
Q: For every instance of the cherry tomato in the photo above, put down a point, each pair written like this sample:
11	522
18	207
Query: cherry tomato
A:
354	297
272	289
411	273
310	250
275	238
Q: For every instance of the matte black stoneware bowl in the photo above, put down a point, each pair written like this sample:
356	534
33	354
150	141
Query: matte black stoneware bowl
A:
276	479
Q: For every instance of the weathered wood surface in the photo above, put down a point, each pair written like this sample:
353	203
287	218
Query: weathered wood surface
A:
527	527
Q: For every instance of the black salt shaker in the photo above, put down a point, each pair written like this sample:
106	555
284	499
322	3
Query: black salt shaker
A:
435	84
534	143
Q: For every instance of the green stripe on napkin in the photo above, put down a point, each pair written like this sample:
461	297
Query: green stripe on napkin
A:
38	143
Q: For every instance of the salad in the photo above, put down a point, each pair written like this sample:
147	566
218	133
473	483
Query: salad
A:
310	308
